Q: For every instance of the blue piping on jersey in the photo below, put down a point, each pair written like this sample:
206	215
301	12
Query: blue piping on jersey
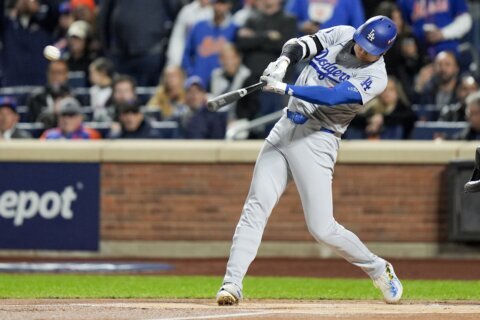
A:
344	92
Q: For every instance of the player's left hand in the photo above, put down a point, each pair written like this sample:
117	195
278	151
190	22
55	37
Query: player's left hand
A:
273	85
277	68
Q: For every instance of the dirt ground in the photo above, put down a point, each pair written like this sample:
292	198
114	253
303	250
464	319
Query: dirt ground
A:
206	309
161	309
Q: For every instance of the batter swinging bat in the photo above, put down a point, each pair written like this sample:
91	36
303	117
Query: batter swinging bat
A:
232	96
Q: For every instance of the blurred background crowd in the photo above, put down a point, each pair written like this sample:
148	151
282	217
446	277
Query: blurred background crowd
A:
145	68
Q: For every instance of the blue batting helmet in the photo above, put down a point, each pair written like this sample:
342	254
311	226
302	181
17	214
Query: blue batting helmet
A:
376	35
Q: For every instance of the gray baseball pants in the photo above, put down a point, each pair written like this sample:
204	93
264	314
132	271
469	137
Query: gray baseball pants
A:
306	155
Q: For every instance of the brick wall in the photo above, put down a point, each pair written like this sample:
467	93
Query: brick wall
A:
148	201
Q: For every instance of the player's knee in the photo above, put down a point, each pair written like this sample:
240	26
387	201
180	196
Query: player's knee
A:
323	233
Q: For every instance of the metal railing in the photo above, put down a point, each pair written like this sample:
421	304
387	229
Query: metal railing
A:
233	133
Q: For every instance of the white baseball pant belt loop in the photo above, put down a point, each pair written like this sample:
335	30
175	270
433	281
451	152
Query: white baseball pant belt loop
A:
299	118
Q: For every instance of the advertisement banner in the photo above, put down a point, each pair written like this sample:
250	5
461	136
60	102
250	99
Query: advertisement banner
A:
49	206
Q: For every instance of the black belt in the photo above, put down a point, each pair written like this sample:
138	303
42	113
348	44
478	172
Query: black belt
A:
298	118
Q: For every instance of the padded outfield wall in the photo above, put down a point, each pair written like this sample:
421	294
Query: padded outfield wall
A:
183	199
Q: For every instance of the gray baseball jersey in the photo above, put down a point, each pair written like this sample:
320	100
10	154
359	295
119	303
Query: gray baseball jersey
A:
333	65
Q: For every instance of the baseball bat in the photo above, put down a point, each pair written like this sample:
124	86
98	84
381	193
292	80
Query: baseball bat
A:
232	96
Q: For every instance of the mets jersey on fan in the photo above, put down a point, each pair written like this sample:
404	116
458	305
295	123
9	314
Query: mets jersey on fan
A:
334	64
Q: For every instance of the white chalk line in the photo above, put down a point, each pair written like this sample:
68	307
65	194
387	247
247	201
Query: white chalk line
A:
218	316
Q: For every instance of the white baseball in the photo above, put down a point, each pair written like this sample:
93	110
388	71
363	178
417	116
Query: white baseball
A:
51	53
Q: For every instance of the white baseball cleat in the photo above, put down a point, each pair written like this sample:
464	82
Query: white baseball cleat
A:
390	285
229	294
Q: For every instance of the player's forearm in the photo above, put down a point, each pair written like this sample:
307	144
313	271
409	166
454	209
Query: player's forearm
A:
340	94
302	48
293	51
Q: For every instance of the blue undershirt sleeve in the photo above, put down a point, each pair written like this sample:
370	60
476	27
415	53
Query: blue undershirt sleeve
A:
344	92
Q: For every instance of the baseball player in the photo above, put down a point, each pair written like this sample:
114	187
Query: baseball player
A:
345	70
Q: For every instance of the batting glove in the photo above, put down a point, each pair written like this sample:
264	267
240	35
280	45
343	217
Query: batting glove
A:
273	85
277	68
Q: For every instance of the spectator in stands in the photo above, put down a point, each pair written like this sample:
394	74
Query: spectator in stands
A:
261	41
124	91
472	132
170	94
83	10
206	39
135	35
65	19
403	60
133	124
9	119
233	75
47	98
456	111
390	111
101	76
440	89
241	16
70	124
77	54
195	121
438	24
24	33
188	16
313	15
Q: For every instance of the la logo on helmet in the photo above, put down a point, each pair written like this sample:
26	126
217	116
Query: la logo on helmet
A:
371	35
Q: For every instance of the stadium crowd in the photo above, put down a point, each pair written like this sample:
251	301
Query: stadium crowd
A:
144	69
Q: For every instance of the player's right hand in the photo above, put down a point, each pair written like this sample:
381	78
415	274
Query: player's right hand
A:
277	68
273	85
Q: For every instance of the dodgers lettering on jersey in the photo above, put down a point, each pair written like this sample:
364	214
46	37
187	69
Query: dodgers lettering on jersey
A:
326	69
323	70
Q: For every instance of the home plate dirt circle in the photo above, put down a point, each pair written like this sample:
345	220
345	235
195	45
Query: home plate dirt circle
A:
154	309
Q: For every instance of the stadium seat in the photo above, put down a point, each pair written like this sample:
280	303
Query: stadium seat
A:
436	129
392	133
77	79
169	129
82	95
145	93
23	113
153	114
427	112
35	129
389	133
102	127
354	133
20	93
87	112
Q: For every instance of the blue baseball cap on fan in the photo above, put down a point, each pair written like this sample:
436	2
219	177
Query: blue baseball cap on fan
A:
376	35
195	80
64	7
8	102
